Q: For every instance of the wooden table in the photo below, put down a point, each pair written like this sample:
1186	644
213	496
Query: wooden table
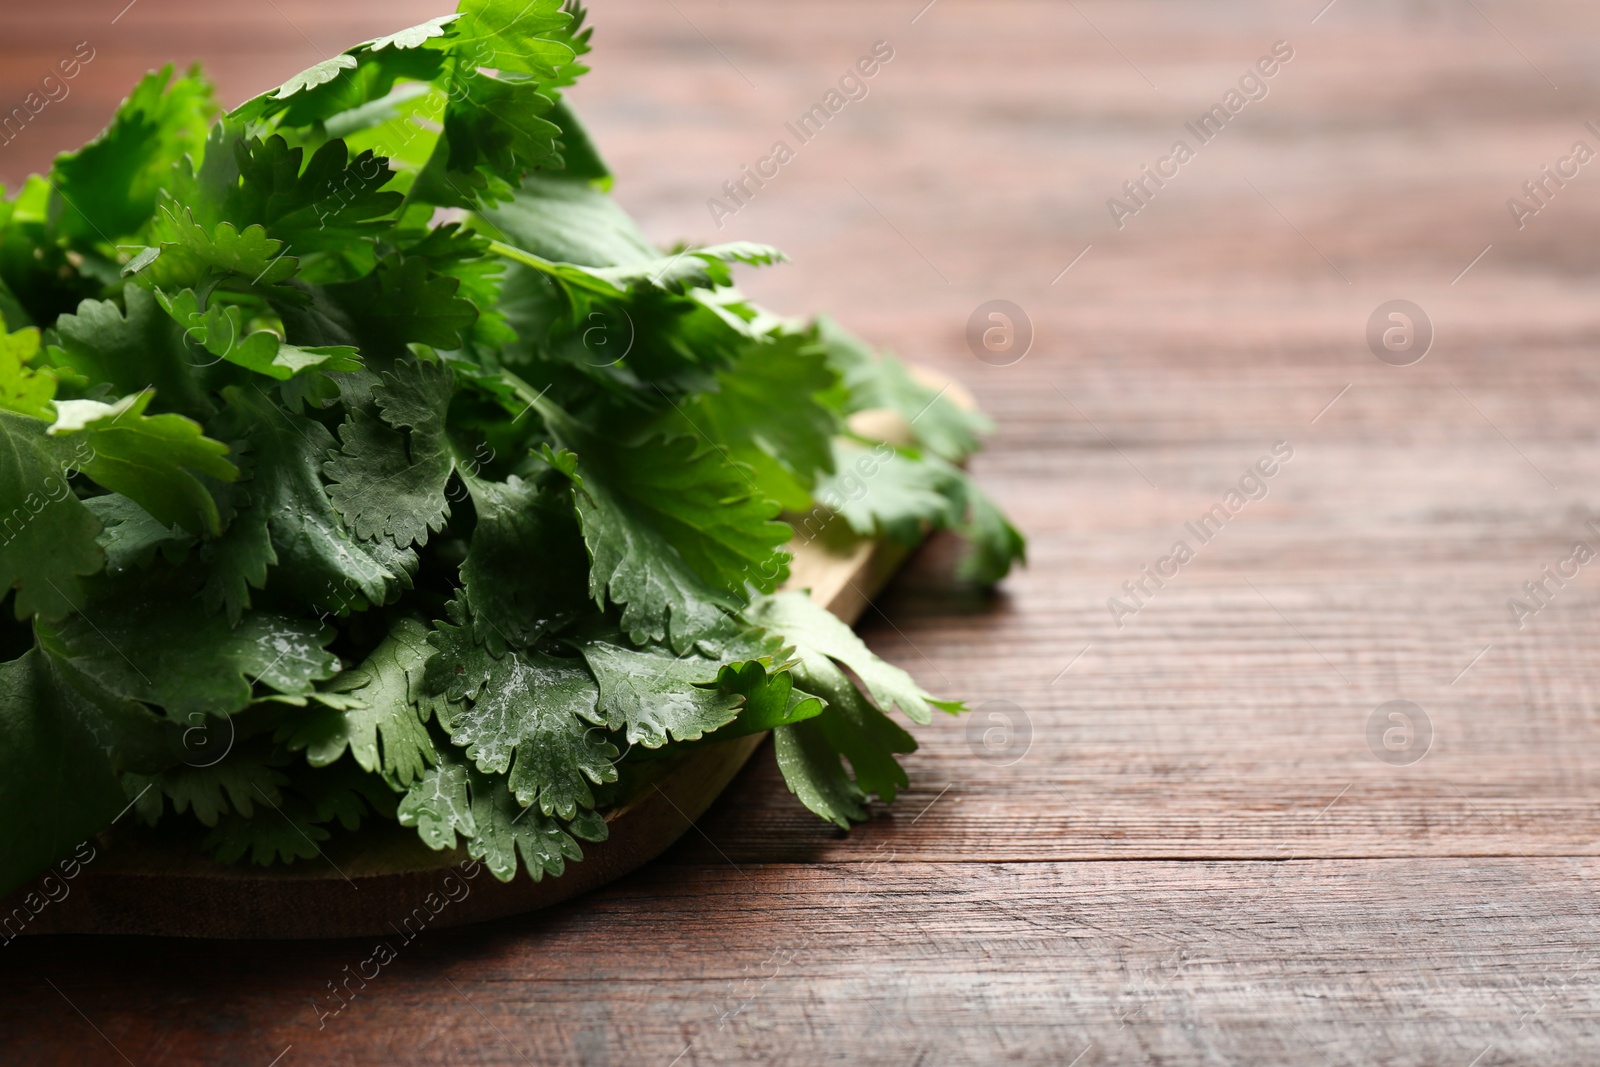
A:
1206	853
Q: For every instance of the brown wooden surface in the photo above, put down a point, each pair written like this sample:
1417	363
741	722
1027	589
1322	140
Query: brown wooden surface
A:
1199	860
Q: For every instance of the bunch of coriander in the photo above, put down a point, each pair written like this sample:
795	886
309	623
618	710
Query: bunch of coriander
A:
361	461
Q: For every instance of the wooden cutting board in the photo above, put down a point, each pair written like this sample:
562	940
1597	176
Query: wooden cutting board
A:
385	881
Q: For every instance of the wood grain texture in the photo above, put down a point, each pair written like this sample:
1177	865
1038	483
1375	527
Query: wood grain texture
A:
1198	859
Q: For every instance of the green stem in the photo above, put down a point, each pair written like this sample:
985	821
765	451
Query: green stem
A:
564	273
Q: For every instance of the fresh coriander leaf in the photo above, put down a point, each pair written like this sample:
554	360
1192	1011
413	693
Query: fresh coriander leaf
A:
879	380
220	330
109	188
235	784
504	829
137	645
276	835
656	696
386	687
319	560
289	830
524	574
414	36
539	709
47	536
362	75
818	635
194	255
809	754
463	255
389	479
404	301
865	736
329	203
320	74
132	539
770	699
238	562
887	492
456	798
24	390
566	220
764	411
697	268
439	805
995	545
895	493
579	154
811	768
62	752
151	459
133	351
675	532
479	130
525	36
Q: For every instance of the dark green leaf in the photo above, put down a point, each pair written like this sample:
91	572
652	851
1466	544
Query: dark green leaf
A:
168	652
654	695
386	689
47	536
389	479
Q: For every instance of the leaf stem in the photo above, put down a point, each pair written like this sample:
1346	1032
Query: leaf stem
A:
564	273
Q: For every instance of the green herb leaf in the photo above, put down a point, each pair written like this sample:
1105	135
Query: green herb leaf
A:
819	636
675	532
387	689
530	706
47	536
62	752
150	459
656	696
168	652
389	478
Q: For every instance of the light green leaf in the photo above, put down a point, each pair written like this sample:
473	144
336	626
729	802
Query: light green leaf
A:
565	220
192	255
109	188
151	459
413	36
221	331
819	636
765	414
24	390
524	36
312	77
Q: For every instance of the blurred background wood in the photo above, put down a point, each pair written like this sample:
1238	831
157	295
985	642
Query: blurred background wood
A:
1198	858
